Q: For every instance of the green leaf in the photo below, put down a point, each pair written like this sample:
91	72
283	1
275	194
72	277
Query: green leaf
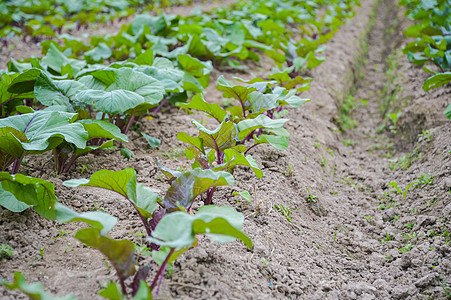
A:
153	142
170	174
98	54
221	138
238	92
10	202
56	61
447	112
146	200
278	142
436	81
194	66
212	110
146	86
21	191
119	252
95	219
45	130
5	96
177	230
261	121
288	97
114	102
124	183
35	291
234	158
245	194
191	184
10	146
102	129
24	83
196	142
262	102
145	58
127	153
112	292
58	92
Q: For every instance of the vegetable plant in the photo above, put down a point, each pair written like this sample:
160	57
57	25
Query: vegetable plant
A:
171	230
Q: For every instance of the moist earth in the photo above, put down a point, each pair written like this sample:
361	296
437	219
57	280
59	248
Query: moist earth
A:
349	234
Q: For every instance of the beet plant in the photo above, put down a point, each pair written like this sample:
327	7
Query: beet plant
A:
19	192
170	230
240	128
36	133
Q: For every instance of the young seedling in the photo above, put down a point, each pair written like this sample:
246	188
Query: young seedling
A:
61	234
405	249
311	198
285	211
6	251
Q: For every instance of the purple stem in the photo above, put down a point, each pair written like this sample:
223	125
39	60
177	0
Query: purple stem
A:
121	280
227	197
244	110
70	163
210	195
245	152
17	163
248	137
143	220
161	269
161	278
161	105
129	124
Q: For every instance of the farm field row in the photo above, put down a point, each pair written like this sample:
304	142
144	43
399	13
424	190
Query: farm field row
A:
346	195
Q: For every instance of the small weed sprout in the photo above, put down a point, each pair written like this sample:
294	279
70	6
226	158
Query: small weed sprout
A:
348	142
61	234
425	136
84	168
285	211
405	249
425	180
446	288
404	162
289	170
409	237
6	251
410	225
369	219
388	237
311	198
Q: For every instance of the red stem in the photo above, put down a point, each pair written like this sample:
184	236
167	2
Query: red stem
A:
161	269
129	124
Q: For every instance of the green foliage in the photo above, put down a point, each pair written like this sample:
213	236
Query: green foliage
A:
432	45
173	229
221	224
6	251
286	211
34	291
19	192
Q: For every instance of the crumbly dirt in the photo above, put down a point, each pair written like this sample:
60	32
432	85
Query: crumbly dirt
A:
350	236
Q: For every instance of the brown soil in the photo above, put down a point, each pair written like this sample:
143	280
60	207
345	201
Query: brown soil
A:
357	240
